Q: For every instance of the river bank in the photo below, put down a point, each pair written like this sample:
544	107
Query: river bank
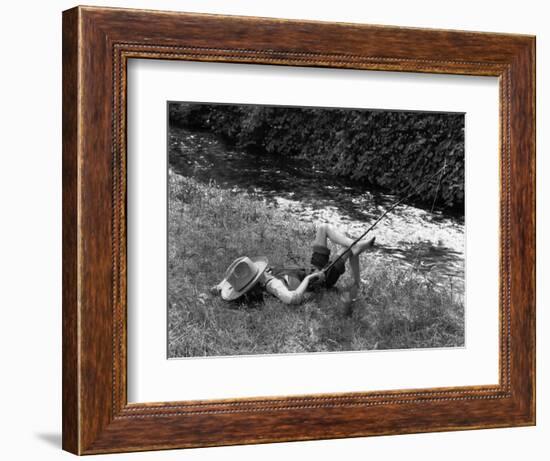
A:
420	239
209	226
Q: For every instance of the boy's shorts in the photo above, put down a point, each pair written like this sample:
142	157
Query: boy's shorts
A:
321	258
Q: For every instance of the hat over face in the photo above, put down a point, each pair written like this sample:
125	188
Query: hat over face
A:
241	276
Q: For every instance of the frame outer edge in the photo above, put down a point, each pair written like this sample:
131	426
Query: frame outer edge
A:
90	422
523	236
95	243
531	70
70	273
533	51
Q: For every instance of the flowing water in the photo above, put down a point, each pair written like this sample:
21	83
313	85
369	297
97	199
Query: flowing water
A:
430	242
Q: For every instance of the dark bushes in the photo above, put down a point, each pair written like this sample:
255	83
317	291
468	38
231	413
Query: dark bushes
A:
390	149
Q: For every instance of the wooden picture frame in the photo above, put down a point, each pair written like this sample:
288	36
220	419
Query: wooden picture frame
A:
97	43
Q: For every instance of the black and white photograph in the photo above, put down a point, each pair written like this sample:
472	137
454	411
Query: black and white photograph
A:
311	229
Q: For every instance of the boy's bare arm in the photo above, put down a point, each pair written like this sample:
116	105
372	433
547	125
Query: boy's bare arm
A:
278	289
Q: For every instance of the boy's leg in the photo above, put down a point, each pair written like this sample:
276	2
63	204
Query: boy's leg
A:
326	231
351	295
321	235
353	257
363	245
321	253
355	270
356	275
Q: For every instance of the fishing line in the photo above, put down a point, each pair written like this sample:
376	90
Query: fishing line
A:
383	215
415	263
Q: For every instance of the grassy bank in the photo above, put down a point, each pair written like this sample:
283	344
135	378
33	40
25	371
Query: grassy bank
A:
209	227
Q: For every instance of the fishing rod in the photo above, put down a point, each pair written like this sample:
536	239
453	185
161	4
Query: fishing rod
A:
341	255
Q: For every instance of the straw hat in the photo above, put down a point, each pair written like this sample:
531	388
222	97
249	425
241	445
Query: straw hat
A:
241	276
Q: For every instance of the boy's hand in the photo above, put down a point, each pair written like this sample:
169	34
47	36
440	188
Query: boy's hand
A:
318	276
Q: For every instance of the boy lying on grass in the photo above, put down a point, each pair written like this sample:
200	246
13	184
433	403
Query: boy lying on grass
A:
291	285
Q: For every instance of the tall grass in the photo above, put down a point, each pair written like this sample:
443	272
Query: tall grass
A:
209	227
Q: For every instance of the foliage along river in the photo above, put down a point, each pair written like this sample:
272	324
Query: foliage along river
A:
429	242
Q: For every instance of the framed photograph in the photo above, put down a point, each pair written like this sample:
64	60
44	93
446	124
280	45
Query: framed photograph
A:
281	230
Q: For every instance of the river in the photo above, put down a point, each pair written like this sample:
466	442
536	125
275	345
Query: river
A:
414	236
